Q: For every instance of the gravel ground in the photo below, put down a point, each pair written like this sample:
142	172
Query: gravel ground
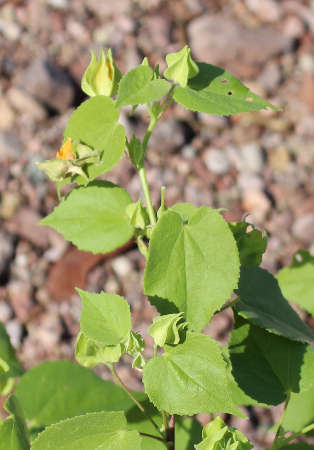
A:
257	163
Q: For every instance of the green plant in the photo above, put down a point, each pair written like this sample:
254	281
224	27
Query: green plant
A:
195	260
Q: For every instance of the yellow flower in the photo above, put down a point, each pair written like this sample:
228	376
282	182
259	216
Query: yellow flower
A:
66	151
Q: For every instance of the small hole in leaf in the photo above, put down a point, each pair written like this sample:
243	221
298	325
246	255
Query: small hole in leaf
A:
229	93
298	257
249	99
224	81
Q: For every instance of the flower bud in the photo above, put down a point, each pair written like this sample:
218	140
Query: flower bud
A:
181	66
102	76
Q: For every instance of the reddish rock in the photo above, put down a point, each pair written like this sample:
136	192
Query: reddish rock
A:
71	271
25	225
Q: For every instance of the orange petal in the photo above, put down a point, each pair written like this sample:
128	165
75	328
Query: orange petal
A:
66	151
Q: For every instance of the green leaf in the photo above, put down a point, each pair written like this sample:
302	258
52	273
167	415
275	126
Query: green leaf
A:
292	362
101	430
185	210
105	317
181	66
13	431
136	151
90	353
9	364
300	411
95	123
138	87
216	435
251	370
137	215
55	391
188	432
166	329
93	217
193	263
262	303
216	91
260	360
134	346
296	281
196	377
251	245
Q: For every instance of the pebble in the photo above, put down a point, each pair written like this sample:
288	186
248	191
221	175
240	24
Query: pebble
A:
303	228
108	9
250	181
15	332
122	266
257	204
7	115
5	311
10	203
266	10
217	161
270	76
6	251
237	46
47	83
11	145
58	4
252	158
10	30
189	151
20	296
25	104
168	136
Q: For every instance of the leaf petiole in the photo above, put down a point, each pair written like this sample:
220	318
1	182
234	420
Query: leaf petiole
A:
140	407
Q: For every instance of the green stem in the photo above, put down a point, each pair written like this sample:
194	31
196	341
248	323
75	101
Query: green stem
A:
278	435
149	131
148	198
165	421
152	436
140	407
168	100
228	305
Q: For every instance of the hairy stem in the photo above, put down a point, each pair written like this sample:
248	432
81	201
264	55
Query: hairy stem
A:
140	407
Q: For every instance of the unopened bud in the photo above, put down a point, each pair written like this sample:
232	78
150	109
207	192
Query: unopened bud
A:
102	76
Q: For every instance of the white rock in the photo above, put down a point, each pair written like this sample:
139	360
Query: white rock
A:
10	30
303	228
251	158
250	181
217	161
5	311
122	266
14	330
